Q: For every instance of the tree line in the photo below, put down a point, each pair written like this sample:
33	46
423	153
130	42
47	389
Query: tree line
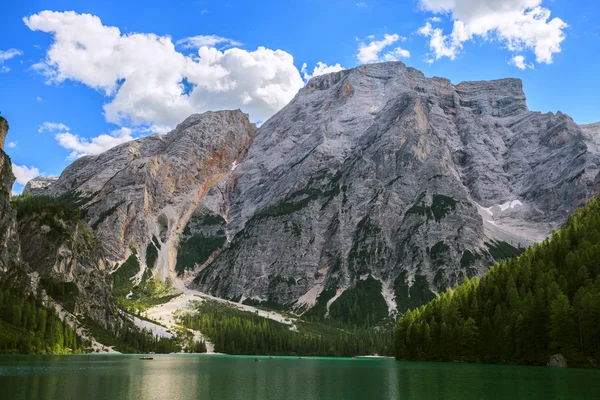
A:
27	327
544	302
240	332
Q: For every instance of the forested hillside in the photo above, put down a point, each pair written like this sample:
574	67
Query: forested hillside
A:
545	302
240	332
26	327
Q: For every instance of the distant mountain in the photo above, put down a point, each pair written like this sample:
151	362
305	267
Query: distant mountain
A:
375	186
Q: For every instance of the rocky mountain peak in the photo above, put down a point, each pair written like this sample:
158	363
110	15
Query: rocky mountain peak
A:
3	131
39	185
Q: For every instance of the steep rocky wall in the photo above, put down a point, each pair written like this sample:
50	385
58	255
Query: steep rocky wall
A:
415	181
9	241
147	190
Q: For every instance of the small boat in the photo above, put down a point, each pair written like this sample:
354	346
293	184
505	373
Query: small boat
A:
146	358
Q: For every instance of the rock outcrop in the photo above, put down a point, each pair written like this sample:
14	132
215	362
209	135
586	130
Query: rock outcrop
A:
66	260
557	361
10	252
377	173
40	185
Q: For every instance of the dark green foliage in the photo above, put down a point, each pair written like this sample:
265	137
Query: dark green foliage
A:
156	242
439	253
544	302
369	250
51	211
129	339
469	259
239	332
27	327
122	277
106	214
328	188
148	293
502	250
318	311
196	250
151	255
63	292
212	219
411	296
440	207
360	305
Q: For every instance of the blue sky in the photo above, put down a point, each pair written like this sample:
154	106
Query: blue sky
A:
78	77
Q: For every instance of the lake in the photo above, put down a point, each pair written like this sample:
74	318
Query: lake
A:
182	377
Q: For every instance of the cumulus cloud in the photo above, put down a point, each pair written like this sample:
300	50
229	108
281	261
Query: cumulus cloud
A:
362	4
148	81
81	146
517	24
195	42
24	173
4	69
39	99
52	126
320	69
371	51
12	145
519	62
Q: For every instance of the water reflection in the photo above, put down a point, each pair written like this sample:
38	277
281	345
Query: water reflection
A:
203	377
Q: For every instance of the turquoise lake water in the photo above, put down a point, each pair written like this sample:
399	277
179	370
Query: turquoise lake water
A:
182	377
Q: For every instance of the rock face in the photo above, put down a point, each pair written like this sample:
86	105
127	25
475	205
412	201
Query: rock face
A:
67	261
557	361
39	185
10	252
376	174
415	181
142	193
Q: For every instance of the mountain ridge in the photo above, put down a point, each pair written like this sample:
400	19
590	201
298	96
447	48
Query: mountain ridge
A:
377	172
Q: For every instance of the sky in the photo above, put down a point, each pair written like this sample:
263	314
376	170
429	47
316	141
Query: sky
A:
79	77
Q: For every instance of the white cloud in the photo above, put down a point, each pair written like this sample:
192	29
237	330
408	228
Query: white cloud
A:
362	4
39	99
195	42
8	54
371	52
519	62
12	145
320	69
149	82
4	69
81	146
24	173
52	126
517	24
434	19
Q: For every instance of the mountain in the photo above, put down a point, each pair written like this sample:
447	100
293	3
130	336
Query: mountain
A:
39	185
374	189
540	308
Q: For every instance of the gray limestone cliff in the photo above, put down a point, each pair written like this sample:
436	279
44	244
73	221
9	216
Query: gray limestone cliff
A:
375	182
39	185
10	252
141	194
